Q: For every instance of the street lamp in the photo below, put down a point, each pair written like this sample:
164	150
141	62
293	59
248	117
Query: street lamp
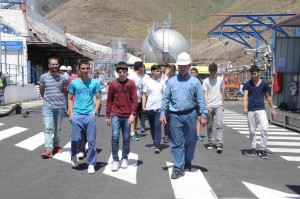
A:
192	18
225	44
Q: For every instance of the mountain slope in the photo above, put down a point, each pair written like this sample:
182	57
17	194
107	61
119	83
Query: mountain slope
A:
101	20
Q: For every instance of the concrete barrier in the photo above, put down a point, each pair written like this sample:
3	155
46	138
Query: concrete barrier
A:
15	94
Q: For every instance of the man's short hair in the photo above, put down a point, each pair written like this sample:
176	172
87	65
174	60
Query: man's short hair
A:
172	67
82	62
195	69
155	67
121	66
254	68
212	67
137	65
52	58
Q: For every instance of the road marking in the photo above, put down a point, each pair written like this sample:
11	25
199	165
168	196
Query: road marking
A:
298	167
32	142
231	120
291	158
267	193
237	125
11	131
234	122
284	150
129	174
271	133
1	124
192	185
279	138
65	155
283	143
270	129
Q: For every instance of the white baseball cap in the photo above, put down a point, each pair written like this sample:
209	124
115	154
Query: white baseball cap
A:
69	68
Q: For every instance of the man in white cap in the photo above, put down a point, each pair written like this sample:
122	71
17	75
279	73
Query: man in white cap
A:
183	96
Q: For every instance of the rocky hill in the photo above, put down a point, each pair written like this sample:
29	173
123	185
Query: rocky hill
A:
100	21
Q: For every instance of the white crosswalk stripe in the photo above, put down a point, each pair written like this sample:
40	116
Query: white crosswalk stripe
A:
280	140
11	131
32	142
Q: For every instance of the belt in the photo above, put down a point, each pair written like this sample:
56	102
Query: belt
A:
154	110
184	111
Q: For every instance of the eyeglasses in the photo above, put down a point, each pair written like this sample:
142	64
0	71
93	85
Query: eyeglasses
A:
54	64
84	68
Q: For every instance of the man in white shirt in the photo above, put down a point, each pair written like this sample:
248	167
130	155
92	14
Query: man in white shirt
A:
151	102
142	114
135	76
214	88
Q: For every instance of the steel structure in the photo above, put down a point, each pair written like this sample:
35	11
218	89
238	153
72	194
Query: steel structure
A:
239	26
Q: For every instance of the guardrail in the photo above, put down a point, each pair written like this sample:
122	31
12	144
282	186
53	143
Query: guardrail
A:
16	74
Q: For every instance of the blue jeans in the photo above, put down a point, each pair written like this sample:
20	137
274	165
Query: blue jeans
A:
84	124
120	123
155	126
183	139
52	117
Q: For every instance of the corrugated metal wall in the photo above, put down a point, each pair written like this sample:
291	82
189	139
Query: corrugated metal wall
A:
287	60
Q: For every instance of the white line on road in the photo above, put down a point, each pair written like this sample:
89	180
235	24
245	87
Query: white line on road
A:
237	120
283	143
191	186
65	155
291	158
271	133
284	150
1	124
270	129
129	174
32	142
267	193
278	138
11	131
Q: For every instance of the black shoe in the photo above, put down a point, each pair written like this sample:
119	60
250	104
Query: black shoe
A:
177	174
210	146
253	152
188	167
157	150
137	135
219	148
166	139
263	154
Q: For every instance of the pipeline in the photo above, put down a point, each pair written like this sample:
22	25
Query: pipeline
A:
16	107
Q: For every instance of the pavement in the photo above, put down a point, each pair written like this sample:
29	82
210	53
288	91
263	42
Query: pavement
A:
25	106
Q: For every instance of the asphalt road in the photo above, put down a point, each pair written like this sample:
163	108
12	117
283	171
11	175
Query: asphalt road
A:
232	174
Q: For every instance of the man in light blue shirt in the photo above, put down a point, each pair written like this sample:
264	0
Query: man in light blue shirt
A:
183	96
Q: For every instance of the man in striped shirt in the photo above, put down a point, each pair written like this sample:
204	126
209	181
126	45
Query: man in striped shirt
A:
53	89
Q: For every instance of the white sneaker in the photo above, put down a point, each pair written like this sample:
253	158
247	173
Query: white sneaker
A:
115	166
91	169
74	161
124	164
80	155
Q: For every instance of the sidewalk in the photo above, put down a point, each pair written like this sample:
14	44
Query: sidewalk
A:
25	105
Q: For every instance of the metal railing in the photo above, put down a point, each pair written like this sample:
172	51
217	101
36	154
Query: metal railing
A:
15	74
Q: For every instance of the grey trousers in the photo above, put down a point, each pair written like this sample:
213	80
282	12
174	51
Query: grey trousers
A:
217	114
258	119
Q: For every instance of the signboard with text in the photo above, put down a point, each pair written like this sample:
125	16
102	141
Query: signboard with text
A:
12	45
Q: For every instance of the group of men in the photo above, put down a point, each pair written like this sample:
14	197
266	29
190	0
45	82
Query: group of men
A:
164	97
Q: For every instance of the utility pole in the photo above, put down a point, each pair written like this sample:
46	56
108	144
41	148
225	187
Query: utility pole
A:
192	18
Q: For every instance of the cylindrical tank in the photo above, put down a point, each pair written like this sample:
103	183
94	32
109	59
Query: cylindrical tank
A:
171	43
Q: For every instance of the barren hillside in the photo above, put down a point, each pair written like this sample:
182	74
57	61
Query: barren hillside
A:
100	21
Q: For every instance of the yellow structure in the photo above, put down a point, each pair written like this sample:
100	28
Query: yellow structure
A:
202	72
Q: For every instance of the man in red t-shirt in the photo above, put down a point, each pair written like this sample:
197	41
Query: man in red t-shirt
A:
121	106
